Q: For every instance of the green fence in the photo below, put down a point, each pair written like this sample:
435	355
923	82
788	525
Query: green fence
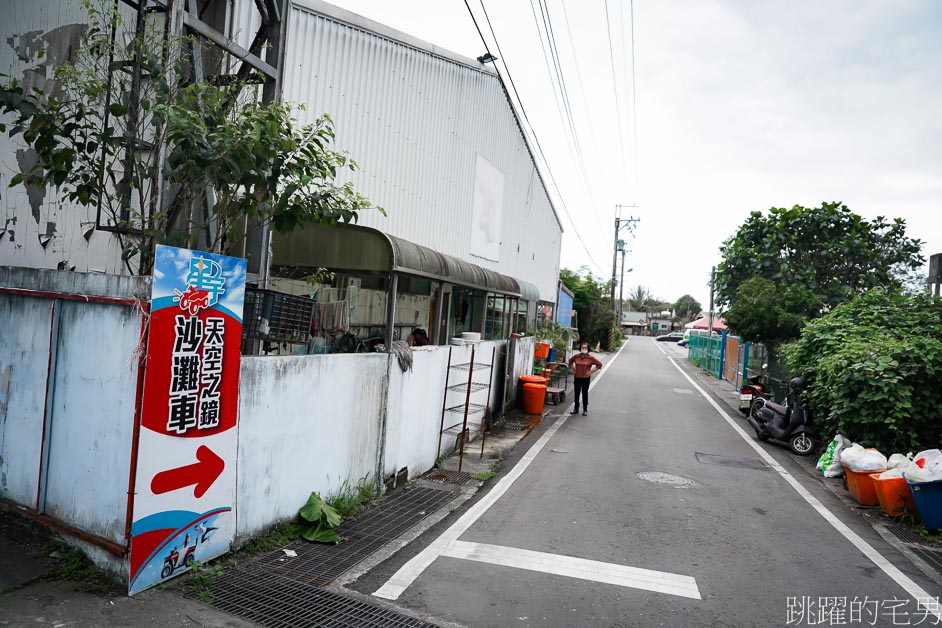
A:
705	351
711	354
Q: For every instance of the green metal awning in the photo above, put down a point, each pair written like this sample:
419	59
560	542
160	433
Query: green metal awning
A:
361	249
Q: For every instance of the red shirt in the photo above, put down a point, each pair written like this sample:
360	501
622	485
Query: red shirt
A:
584	363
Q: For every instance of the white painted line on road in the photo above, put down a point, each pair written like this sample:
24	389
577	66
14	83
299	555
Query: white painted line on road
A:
921	596
593	570
658	346
408	573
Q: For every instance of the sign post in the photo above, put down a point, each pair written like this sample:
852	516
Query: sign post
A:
186	459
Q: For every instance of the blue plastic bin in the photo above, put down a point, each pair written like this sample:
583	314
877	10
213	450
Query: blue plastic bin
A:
928	498
552	355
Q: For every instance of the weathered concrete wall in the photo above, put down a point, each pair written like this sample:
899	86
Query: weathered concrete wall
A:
306	423
91	417
24	362
68	385
415	412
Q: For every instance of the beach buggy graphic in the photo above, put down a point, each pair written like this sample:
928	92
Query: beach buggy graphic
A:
186	455
173	561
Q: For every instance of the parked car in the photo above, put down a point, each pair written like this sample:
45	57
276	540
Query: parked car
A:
672	337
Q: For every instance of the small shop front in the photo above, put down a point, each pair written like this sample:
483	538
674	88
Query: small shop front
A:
365	289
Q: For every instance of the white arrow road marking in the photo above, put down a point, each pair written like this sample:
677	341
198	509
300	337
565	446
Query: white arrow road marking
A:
608	573
408	573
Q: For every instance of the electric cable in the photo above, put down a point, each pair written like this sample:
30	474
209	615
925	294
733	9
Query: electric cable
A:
611	55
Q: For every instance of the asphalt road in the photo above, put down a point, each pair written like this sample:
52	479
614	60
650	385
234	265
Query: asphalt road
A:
737	546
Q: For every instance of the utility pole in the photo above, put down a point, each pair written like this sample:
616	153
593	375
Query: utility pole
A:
621	282
712	283
630	222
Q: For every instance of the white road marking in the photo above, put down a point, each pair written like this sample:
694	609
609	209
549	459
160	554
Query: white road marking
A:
408	573
593	570
918	593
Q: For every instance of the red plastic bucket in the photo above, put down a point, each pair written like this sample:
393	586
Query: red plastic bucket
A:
534	396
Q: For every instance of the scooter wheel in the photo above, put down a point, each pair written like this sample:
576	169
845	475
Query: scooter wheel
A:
802	444
166	571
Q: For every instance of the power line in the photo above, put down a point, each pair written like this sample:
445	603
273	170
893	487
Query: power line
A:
527	119
611	55
564	91
634	98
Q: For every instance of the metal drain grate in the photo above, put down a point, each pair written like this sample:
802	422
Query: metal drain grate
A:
514	425
906	535
279	602
450	477
246	589
932	557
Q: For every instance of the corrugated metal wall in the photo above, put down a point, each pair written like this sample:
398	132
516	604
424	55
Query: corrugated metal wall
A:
414	122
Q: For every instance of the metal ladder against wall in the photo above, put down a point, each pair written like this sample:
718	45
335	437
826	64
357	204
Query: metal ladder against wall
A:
468	409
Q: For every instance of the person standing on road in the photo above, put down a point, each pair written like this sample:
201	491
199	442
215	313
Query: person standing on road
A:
584	365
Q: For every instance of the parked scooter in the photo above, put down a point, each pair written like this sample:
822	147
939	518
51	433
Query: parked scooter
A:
754	393
788	423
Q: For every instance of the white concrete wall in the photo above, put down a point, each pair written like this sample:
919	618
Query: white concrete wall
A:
415	412
306	423
70	364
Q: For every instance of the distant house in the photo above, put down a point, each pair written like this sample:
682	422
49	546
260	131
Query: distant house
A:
634	322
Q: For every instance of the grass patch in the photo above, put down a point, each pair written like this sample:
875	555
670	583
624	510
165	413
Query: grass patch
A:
279	536
202	578
349	499
73	564
487	475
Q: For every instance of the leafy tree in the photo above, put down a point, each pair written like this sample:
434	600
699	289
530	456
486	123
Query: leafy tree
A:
100	133
872	366
761	312
814	259
591	301
686	308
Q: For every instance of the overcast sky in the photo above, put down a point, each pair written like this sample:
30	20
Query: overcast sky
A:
741	106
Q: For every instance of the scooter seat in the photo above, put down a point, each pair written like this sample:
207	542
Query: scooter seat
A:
778	409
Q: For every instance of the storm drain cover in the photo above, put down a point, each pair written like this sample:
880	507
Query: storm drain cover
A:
666	478
280	602
274	589
906	535
933	558
514	425
450	477
730	461
683	391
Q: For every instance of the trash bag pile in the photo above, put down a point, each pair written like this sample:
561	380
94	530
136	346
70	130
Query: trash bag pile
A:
841	453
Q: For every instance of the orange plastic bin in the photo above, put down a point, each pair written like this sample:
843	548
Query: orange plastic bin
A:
861	486
894	495
534	396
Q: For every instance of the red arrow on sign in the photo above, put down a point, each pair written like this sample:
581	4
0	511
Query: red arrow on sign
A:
202	474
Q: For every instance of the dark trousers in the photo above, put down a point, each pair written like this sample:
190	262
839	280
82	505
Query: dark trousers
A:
582	388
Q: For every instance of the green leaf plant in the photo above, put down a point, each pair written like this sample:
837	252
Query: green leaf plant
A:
321	518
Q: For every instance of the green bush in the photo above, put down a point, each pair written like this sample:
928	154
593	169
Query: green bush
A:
873	368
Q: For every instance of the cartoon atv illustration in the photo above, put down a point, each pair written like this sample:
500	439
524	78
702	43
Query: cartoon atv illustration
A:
175	560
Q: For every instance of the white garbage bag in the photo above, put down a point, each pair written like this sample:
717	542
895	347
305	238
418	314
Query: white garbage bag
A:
856	458
891	473
925	467
897	461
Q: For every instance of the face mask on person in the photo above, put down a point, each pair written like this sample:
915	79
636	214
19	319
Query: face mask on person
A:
584	351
